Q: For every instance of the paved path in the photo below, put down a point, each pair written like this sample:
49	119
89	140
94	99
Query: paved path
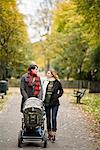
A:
73	131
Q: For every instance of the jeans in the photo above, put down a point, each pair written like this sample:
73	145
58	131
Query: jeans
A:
51	115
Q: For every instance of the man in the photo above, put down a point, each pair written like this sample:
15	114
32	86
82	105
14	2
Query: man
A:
30	85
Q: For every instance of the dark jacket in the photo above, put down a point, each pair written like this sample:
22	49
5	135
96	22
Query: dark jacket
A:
27	91
57	92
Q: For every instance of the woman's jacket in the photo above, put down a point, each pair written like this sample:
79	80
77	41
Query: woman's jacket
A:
57	91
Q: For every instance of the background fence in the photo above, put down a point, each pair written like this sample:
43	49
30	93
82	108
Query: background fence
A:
92	86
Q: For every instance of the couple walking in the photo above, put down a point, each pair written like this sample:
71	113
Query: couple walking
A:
49	91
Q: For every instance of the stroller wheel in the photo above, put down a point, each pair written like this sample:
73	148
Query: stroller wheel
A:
22	123
44	140
20	139
44	144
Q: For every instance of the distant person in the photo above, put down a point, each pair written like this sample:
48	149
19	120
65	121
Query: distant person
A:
52	90
30	85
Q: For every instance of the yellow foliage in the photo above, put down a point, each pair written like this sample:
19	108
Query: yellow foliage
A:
65	17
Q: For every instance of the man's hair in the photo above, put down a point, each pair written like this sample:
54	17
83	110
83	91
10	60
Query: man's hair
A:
32	66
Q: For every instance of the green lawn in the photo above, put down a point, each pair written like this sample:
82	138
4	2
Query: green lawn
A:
91	103
2	102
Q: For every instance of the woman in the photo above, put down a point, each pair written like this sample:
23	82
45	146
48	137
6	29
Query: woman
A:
30	85
52	90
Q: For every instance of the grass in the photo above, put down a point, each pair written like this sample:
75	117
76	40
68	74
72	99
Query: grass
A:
91	104
2	102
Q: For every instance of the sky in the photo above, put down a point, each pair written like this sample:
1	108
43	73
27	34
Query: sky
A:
29	8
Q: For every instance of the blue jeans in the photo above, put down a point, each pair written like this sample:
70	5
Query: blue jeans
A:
51	115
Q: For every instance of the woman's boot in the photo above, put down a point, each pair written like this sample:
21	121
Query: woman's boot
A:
49	135
53	136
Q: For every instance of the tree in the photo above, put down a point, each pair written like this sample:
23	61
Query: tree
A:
71	57
95	63
70	44
13	36
89	9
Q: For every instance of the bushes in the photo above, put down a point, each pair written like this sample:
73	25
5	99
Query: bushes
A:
13	82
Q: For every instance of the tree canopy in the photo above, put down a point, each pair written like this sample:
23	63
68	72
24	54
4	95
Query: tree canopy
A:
90	11
74	37
69	41
14	41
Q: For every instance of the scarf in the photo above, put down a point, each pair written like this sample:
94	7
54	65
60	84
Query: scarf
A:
51	79
36	84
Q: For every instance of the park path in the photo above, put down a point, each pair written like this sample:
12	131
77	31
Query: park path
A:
73	130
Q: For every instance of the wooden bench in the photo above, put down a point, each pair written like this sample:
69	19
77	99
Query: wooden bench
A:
79	94
2	95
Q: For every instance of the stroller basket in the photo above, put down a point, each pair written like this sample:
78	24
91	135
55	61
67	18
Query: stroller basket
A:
33	112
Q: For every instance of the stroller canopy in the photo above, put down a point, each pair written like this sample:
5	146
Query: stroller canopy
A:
33	102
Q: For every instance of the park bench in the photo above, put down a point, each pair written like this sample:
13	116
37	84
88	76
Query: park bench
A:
79	94
2	95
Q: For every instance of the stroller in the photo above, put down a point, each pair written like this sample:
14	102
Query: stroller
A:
33	123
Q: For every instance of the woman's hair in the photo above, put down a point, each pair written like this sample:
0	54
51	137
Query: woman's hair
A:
54	74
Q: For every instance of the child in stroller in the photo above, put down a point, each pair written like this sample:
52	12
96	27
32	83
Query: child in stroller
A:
33	122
